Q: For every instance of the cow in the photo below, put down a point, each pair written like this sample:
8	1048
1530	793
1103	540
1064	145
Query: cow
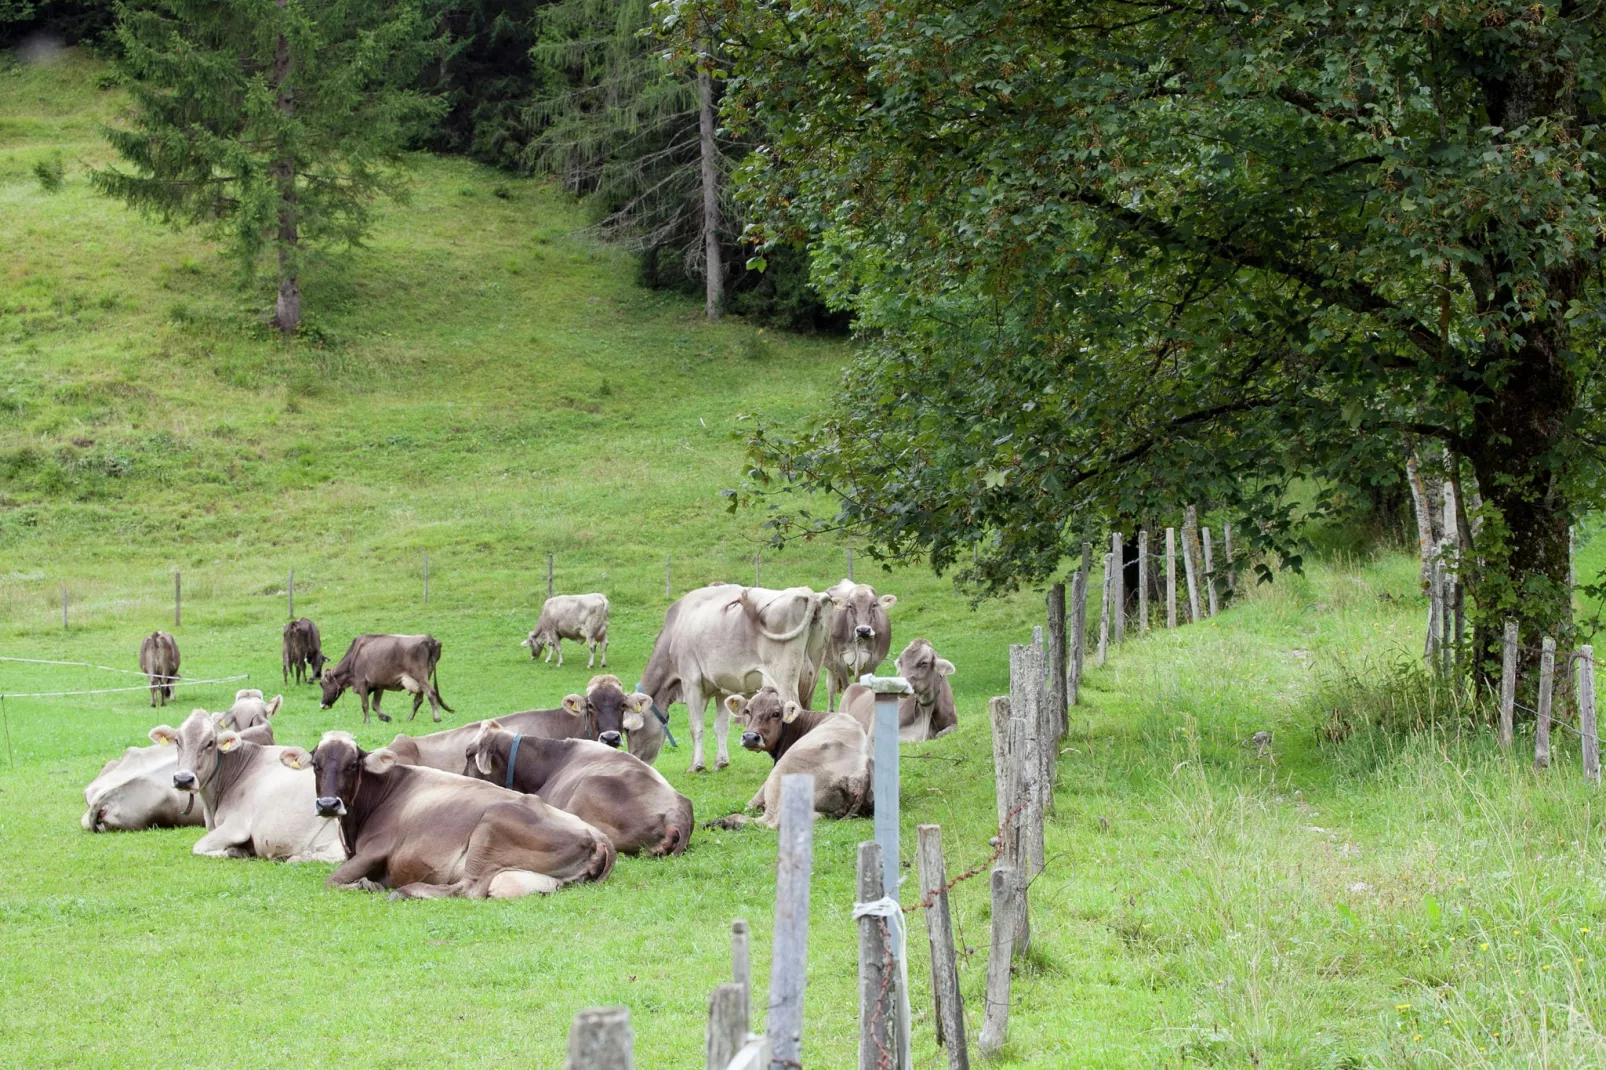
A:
927	713
255	806
602	713
158	659
303	651
375	664
725	640
860	636
611	790
251	709
831	747
426	833
581	617
136	791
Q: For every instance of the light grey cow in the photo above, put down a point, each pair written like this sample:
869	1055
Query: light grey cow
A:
859	638
581	617
927	713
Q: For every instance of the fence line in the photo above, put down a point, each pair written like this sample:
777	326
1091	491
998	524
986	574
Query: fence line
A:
178	682
74	665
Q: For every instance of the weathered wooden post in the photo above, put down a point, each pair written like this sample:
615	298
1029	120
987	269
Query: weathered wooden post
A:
426	577
1143	582
1586	713
1058	706
727	1025
1118	591
1508	683
1226	548
789	956
1007	901
1209	575
1003	761
879	1041
549	575
290	590
1547	683
947	1003
1170	577
1079	624
1025	703
600	1039
178	599
1191	563
1104	613
742	960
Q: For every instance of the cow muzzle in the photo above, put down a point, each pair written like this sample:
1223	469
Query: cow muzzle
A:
752	741
331	806
610	738
184	780
323	705
864	631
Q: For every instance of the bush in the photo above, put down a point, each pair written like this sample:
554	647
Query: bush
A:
779	296
50	174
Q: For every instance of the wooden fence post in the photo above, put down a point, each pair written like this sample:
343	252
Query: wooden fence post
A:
1209	575
1058	706
549	575
727	1025
178	598
1079	625
1025	703
742	960
1170	577
1003	765
948	1005
1226	547
1508	683
1007	904
600	1039
878	971
1547	683
290	589
789	955
1586	713
1190	561
1104	614
1118	591
1143	582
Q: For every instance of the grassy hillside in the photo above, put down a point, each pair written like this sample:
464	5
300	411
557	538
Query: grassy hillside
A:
483	385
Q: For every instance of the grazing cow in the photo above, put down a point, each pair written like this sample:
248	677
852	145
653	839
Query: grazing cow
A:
254	805
158	659
375	664
859	638
602	713
136	791
581	617
250	709
303	651
726	640
926	714
427	833
829	746
610	790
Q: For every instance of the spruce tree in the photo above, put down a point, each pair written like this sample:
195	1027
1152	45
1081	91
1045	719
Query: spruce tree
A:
273	123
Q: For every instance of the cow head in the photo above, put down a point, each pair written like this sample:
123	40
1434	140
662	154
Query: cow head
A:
611	710
334	684
482	752
861	614
763	717
920	665
533	641
126	794
202	741
338	766
251	709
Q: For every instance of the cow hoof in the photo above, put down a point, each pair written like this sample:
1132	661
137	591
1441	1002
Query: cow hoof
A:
720	763
697	767
382	716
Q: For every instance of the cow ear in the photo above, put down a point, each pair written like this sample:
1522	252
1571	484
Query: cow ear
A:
493	725
525	641
227	741
945	667
379	761
575	704
640	701
220	718
273	707
634	722
295	758
482	759
791	712
164	735
888	601
838	602
734	704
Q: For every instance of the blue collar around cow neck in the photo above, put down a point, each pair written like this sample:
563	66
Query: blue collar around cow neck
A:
663	719
512	756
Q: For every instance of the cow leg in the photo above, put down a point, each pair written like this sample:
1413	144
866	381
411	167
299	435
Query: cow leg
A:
604	642
548	658
696	703
379	693
434	703
559	645
154	691
225	841
418	700
425	890
722	731
357	873
591	645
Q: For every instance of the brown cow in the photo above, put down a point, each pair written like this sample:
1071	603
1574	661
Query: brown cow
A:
831	747
158	659
859	638
303	650
427	833
926	714
608	789
602	713
375	664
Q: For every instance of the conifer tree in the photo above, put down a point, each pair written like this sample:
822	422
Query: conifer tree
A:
273	123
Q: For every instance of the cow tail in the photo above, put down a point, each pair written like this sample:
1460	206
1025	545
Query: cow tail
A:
435	676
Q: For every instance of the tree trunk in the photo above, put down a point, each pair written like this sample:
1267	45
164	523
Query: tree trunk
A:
287	310
713	269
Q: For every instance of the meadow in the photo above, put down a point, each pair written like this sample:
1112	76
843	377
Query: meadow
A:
483	383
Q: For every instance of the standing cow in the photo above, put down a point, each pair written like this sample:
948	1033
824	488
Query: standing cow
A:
581	617
158	659
724	640
860	636
927	712
303	650
375	664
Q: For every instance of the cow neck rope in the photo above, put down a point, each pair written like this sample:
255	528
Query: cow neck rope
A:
189	806
512	757
351	811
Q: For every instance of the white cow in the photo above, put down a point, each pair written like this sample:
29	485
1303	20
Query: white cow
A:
136	791
581	617
725	640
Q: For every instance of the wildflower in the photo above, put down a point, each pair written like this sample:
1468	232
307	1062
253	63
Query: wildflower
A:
1417	1037
1547	967
1483	947
1402	1006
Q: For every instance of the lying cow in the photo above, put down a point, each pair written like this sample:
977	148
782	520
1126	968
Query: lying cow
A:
581	617
831	747
136	791
427	833
602	713
250	709
926	714
610	790
254	805
158	659
375	664
303	650
727	640
859	638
